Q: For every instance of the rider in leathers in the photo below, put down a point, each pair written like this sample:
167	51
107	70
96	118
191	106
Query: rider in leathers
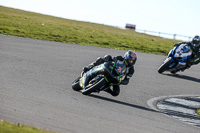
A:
129	59
195	46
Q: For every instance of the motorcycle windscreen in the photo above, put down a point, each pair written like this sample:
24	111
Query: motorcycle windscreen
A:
183	50
120	68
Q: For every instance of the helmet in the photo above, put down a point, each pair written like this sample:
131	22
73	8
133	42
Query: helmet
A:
196	41
130	58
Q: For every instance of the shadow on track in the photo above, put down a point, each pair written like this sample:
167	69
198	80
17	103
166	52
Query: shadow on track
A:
184	77
123	103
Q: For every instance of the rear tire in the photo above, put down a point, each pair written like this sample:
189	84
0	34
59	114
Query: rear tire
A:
164	66
94	87
75	85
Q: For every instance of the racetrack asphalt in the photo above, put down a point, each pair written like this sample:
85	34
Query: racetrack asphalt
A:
35	89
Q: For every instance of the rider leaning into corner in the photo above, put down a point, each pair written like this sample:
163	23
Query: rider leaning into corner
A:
195	46
129	59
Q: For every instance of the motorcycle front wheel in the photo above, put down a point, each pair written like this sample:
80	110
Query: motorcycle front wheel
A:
165	66
75	85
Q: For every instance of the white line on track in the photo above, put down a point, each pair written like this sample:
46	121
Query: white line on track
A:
176	107
184	102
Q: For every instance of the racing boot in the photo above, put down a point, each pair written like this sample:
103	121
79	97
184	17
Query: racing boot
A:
114	92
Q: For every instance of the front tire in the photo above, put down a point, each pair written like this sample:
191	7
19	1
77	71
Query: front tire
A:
75	85
94	87
164	66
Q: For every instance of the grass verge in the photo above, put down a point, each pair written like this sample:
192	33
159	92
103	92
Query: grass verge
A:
6	127
198	111
33	25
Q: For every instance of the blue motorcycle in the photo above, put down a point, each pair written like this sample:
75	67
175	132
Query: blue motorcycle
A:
176	59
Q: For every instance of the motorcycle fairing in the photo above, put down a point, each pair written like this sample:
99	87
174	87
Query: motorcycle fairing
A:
120	68
183	51
88	75
179	55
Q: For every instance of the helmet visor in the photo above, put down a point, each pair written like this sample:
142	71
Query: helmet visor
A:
132	58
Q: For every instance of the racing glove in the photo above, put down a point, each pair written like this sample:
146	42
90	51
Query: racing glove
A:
87	68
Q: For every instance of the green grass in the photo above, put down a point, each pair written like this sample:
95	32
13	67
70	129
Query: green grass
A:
198	111
34	25
6	127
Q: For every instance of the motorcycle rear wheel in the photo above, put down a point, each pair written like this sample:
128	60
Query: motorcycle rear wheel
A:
94	87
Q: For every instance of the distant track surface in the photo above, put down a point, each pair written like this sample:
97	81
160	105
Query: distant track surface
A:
35	89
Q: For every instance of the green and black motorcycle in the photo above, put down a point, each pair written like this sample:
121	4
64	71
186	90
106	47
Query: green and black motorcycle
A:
100	77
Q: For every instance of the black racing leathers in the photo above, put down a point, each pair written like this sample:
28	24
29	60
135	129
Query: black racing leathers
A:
116	88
